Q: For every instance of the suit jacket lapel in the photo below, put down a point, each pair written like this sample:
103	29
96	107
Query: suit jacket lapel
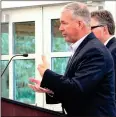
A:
111	42
85	41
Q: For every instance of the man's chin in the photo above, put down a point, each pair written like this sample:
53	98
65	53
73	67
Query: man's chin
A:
67	40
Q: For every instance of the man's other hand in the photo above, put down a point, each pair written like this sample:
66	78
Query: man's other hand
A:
44	66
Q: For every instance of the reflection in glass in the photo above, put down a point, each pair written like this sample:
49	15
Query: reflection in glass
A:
58	42
4	80
24	37
59	64
4	37
23	70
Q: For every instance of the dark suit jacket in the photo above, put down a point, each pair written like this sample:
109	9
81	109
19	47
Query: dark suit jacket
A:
111	45
87	87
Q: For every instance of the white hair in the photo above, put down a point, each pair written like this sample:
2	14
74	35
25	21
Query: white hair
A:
79	10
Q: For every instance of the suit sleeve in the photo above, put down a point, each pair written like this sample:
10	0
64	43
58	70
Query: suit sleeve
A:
49	99
84	81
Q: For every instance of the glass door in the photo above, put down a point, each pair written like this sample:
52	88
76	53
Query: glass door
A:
21	34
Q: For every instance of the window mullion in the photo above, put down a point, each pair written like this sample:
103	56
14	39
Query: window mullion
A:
11	64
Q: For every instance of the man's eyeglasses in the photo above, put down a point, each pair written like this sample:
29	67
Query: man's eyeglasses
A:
96	26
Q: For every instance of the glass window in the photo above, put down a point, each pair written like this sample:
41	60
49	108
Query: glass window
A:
4	79
23	70
59	64
4	37
58	43
24	37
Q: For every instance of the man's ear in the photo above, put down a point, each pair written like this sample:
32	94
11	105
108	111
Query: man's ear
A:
80	24
105	28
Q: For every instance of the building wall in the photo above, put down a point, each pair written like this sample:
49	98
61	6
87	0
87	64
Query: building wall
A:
15	4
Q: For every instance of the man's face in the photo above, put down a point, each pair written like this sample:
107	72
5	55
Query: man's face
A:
98	31
68	27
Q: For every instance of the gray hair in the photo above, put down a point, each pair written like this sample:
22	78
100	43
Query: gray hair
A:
104	17
79	10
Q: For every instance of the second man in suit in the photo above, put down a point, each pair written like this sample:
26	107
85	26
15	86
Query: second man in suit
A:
103	26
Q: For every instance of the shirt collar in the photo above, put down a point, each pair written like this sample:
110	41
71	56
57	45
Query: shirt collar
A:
75	45
108	40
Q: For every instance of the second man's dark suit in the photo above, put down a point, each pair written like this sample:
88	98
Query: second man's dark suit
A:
111	45
87	87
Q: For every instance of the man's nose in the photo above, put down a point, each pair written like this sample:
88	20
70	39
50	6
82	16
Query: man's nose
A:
61	28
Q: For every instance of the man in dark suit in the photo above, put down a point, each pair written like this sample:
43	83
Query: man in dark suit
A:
103	26
87	87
